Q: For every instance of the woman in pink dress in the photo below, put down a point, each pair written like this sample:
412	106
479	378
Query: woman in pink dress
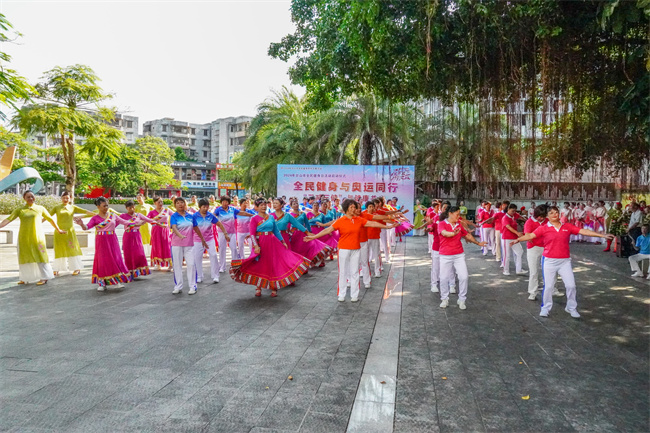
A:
271	265
161	252
315	251
132	247
108	266
318	221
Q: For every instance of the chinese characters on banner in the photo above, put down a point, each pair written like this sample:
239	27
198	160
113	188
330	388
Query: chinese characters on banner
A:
360	182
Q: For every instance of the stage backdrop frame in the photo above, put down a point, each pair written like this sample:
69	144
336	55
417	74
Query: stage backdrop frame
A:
361	182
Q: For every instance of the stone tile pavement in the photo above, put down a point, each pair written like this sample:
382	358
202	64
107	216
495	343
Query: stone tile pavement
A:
141	359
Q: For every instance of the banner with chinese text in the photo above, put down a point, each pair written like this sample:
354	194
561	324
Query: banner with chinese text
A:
360	182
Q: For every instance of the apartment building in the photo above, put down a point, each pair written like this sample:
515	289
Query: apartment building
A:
214	142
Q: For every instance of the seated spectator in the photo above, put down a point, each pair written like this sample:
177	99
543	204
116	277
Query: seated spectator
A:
643	245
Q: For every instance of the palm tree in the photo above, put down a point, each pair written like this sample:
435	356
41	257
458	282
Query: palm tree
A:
375	130
282	133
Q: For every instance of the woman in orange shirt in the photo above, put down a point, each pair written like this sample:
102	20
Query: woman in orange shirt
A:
349	227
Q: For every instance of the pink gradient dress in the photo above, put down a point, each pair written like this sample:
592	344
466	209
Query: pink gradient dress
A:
132	246
315	251
275	266
108	266
161	252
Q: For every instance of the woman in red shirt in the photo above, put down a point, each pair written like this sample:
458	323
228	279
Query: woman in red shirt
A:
452	255
556	259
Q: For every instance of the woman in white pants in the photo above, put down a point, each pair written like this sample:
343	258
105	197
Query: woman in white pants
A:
243	227
452	255
227	214
535	248
485	218
349	227
509	232
556	259
203	221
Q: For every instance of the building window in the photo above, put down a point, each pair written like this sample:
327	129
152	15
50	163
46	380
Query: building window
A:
206	143
193	141
129	136
164	128
147	128
193	131
240	127
129	123
205	132
205	153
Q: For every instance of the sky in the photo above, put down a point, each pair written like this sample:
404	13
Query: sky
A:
194	61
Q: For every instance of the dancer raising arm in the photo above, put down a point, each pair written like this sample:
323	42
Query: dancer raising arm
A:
452	255
349	226
556	259
33	262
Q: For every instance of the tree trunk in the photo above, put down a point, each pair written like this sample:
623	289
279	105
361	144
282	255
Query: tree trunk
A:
67	144
365	150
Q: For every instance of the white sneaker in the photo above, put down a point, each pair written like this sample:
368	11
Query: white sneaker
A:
119	286
100	288
637	274
506	273
558	293
543	313
522	273
434	288
461	305
192	291
199	280
354	300
177	291
377	275
573	313
216	280
341	298
222	271
648	278
452	289
532	296
367	286
444	303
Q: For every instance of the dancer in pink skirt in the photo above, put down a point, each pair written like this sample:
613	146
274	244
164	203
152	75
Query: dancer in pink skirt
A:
318	222
161	252
108	266
271	265
134	257
315	251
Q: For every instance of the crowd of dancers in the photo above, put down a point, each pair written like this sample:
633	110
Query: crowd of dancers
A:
273	242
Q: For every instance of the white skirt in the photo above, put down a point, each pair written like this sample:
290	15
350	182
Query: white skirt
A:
29	272
62	264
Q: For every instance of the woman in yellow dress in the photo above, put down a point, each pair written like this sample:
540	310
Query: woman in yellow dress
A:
33	262
144	209
67	252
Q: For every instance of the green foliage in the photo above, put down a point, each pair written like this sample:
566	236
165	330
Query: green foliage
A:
582	65
180	155
13	87
166	201
153	163
237	173
68	106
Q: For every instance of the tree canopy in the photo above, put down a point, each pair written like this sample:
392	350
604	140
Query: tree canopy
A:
68	105
580	67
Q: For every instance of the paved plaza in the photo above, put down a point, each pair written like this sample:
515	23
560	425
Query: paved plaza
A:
140	359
